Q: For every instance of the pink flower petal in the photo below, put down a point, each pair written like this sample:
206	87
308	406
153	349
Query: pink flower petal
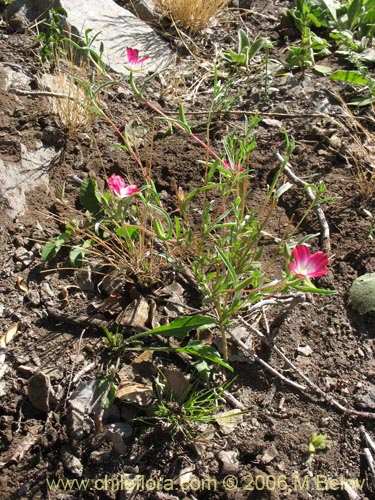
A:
116	184
235	168
133	57
306	265
129	190
318	260
144	58
301	254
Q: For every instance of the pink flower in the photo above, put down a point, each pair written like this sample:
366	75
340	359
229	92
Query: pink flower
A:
118	186
235	168
133	57
306	265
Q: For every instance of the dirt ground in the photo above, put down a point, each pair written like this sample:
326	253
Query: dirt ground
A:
263	453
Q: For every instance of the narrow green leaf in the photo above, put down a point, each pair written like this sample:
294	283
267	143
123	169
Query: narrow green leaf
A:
243	40
180	327
228	265
351	76
197	348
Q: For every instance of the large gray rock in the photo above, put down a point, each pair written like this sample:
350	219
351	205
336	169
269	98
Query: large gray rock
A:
116	27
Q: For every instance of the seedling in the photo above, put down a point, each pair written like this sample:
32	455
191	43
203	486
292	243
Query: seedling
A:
246	51
318	442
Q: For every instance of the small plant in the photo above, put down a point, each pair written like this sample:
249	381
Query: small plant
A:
114	341
52	35
182	411
246	50
349	24
311	46
359	76
214	237
194	16
318	442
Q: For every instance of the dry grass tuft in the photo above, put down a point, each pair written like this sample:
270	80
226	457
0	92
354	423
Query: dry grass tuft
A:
72	111
193	15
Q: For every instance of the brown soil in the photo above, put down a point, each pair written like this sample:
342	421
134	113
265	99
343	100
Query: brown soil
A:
269	443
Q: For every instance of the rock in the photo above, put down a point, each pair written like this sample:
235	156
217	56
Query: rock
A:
26	370
117	29
229	460
46	293
23	255
114	26
136	314
100	457
305	350
84	280
34	297
40	392
23	173
71	462
119	446
124	429
270	454
145	9
366	399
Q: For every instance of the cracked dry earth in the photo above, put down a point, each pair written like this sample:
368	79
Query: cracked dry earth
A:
57	352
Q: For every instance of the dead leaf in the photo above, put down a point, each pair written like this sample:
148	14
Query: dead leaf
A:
228	420
136	314
8	335
177	384
20	450
133	392
144	357
64	292
20	284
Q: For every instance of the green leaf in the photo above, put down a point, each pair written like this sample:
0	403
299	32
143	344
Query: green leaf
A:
203	369
77	254
50	251
90	196
349	76
228	265
364	101
180	327
52	248
256	46
197	348
362	293
243	40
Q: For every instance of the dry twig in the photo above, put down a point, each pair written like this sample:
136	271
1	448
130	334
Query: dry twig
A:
325	235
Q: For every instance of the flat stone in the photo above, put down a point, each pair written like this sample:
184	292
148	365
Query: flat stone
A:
40	392
116	27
